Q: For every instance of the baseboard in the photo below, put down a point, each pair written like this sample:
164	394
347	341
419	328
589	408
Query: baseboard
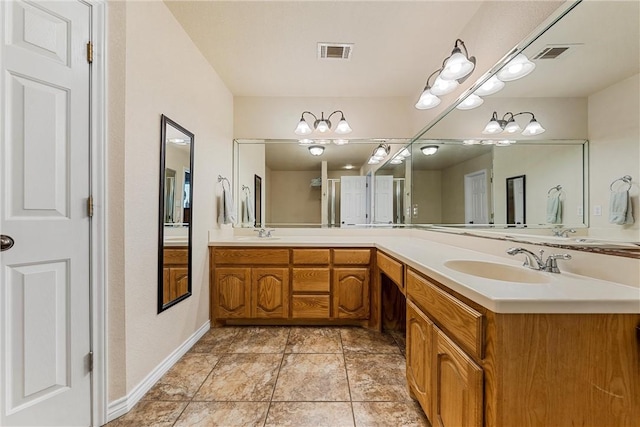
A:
123	405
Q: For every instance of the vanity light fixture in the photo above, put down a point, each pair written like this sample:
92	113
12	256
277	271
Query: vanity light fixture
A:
455	70
316	150
321	124
517	68
379	153
508	124
429	150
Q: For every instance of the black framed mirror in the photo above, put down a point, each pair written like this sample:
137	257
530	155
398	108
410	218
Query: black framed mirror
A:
516	201
257	194
175	213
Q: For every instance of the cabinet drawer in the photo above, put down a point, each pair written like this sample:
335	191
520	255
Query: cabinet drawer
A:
310	307
311	280
351	256
392	268
460	321
251	256
311	256
176	257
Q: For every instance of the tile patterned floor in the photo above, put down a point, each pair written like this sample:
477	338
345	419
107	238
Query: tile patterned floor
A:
283	376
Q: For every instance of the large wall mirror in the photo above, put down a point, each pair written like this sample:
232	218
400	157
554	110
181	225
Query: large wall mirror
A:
175	208
584	92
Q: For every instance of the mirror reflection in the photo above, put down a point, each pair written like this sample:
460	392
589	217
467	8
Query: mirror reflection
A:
176	192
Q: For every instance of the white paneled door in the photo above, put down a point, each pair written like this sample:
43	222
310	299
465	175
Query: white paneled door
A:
353	200
476	199
45	374
383	203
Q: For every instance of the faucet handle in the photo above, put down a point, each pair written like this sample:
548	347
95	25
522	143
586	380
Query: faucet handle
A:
552	265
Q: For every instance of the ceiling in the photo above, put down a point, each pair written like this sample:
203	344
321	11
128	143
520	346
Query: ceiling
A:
269	48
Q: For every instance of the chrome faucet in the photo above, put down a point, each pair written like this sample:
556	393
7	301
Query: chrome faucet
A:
562	232
536	262
263	233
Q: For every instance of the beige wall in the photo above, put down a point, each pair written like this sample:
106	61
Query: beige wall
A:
453	187
292	198
427	195
252	163
544	167
159	68
614	135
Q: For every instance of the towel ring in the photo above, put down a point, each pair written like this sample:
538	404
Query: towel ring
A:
626	179
557	188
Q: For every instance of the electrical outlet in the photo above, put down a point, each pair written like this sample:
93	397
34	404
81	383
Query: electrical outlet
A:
597	210
579	210
415	210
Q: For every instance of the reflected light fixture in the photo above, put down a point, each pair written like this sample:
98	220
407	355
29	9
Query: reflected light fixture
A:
379	153
429	150
508	125
321	124
491	86
470	102
517	68
316	150
455	70
340	141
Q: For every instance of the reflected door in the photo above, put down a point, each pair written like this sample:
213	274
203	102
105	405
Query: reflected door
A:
383	201
476	205
353	197
44	292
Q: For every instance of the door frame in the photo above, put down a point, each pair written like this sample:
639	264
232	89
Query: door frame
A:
99	245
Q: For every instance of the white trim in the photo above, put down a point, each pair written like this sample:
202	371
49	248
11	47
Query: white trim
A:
123	405
99	220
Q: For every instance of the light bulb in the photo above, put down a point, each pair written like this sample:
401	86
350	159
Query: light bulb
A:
427	100
303	128
343	127
443	87
517	68
533	128
491	86
457	66
470	102
492	128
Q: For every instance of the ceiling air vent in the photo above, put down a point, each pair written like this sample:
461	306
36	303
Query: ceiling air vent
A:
553	51
335	50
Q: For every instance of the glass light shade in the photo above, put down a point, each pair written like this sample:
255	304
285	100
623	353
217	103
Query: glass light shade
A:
533	128
373	161
492	128
340	141
517	68
429	150
343	127
491	86
512	127
456	67
305	141
504	143
443	87
380	152
322	126
404	153
378	158
470	142
316	150
470	102
396	160
427	100
303	128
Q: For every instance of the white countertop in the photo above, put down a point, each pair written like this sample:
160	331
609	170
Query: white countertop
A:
564	292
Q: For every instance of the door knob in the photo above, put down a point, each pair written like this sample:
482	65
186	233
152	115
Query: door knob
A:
6	243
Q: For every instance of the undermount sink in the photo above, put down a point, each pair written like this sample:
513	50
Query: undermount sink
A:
495	271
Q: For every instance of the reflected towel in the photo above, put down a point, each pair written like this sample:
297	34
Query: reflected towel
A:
620	209
227	210
554	208
248	215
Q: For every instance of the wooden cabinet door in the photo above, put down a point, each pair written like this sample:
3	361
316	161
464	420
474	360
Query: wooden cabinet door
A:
166	285
179	282
270	293
232	293
420	354
457	383
351	293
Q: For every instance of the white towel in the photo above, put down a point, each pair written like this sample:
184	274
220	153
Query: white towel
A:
620	209
554	208
227	213
248	215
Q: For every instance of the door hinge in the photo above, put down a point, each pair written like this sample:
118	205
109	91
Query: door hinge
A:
90	357
90	207
89	52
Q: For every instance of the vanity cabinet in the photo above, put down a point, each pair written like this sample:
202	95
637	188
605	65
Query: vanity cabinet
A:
294	284
445	380
175	273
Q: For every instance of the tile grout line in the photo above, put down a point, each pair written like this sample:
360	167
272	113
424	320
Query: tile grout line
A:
346	372
266	416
